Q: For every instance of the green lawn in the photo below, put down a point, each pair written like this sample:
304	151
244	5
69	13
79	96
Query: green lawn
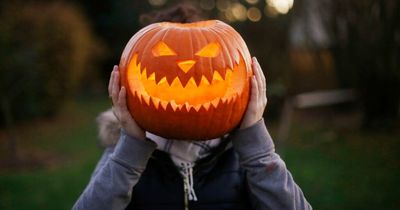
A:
345	169
71	142
337	169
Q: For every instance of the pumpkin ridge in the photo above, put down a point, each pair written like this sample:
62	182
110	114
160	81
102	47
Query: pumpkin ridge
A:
224	55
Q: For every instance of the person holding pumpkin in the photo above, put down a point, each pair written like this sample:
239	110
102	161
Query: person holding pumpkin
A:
238	170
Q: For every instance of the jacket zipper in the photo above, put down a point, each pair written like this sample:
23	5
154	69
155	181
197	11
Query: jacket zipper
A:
185	196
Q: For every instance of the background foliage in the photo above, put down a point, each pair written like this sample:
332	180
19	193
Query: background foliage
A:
367	52
47	50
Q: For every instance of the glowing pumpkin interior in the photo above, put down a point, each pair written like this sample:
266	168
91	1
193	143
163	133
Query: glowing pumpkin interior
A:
191	94
184	78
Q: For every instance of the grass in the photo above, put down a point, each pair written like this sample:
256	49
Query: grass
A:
336	168
70	140
349	169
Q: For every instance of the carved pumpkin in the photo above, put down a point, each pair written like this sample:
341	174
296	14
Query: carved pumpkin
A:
187	81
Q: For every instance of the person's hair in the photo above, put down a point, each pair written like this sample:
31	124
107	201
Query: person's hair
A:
181	13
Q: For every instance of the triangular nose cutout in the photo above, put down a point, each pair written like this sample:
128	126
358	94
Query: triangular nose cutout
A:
186	65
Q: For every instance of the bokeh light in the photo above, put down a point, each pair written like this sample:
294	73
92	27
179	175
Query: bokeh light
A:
239	11
270	11
280	6
228	16
254	14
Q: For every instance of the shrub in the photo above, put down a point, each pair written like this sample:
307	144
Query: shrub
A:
47	49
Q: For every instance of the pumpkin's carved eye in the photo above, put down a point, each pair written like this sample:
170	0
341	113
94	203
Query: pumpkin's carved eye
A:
162	49
210	51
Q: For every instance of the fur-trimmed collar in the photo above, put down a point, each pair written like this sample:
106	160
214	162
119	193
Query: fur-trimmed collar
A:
109	128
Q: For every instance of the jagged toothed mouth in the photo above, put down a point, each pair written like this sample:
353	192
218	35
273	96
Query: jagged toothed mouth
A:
194	95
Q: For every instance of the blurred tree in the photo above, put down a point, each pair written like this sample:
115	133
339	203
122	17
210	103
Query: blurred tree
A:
360	40
310	41
367	53
115	22
47	49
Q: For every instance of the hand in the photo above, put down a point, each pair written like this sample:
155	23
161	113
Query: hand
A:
258	97
120	109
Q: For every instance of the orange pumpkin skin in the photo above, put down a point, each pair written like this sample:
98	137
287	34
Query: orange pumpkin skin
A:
187	81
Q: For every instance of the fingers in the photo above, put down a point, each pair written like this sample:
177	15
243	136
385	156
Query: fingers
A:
122	101
110	82
262	76
122	106
254	90
252	108
257	71
115	89
262	87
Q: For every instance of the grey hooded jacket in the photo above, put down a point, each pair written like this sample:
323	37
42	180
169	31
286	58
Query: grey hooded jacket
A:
271	186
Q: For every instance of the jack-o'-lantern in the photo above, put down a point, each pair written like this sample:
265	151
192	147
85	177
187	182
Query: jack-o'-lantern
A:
187	80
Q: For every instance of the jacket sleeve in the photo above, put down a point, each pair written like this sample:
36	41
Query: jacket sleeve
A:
115	175
270	184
